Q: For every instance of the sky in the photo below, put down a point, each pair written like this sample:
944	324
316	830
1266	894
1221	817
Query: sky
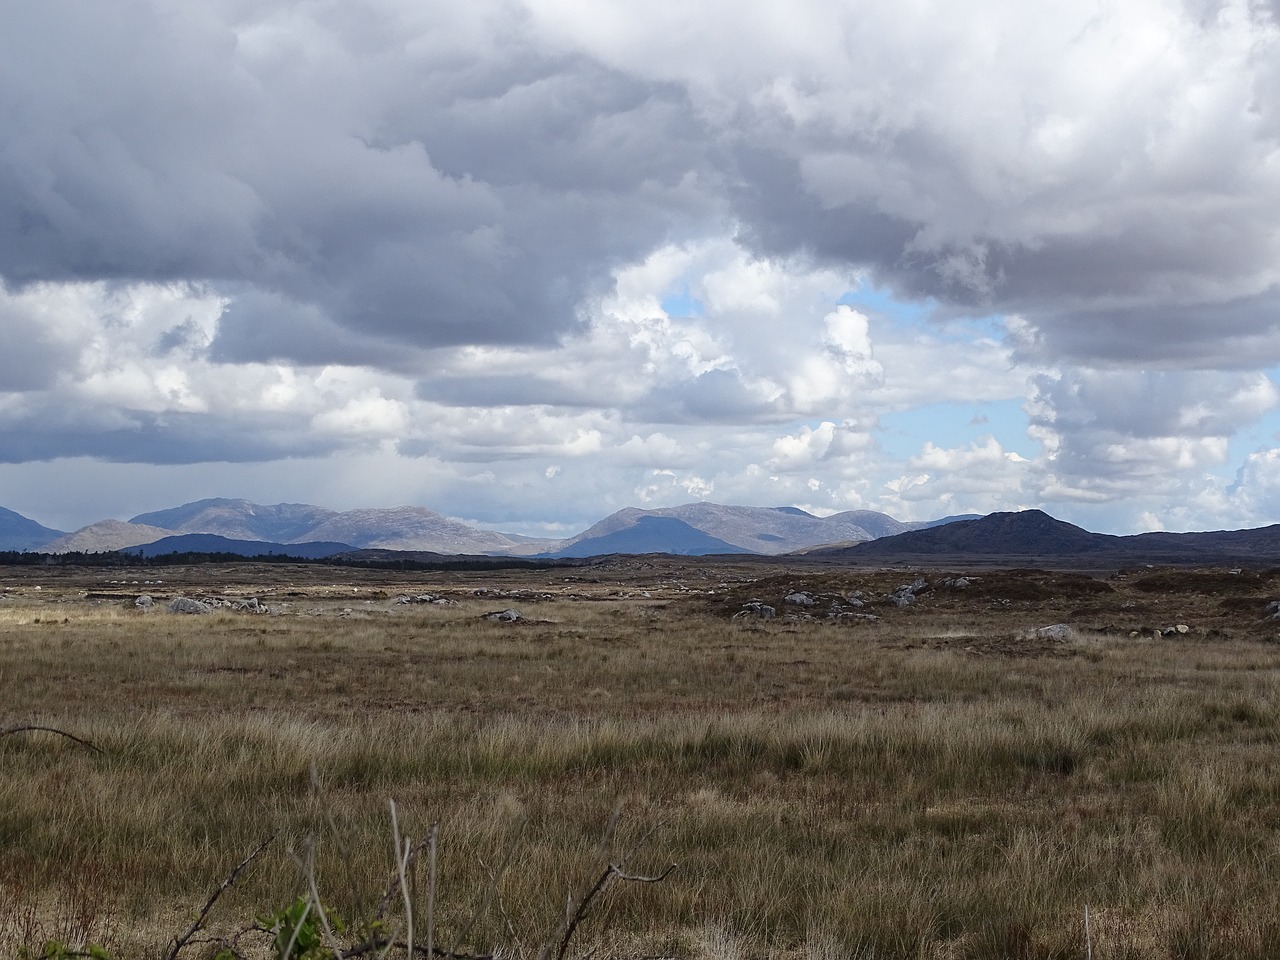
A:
527	262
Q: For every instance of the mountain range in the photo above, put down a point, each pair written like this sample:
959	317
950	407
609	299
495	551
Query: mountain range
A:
1029	537
691	529
1033	538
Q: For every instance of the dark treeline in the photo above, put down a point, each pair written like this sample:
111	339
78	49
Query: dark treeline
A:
124	558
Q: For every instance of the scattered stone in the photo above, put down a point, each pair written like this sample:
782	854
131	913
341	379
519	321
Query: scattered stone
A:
144	603
800	599
504	616
1056	631
757	608
187	605
1273	610
956	583
249	606
1174	630
424	598
906	594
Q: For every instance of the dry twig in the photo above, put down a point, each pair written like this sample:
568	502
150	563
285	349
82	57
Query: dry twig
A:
611	872
182	941
62	733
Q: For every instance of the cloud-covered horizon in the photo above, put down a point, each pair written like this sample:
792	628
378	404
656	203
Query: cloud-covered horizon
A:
529	261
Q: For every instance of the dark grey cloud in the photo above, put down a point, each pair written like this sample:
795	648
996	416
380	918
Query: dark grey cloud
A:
400	177
436	177
1242	334
50	431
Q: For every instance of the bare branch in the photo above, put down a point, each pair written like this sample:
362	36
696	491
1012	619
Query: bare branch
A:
611	872
62	733
572	925
182	941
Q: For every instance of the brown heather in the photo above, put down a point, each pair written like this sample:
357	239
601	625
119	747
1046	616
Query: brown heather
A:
932	785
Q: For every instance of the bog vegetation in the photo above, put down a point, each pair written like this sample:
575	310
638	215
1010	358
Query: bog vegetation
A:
937	783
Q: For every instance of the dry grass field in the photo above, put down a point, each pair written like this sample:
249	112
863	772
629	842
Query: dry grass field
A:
934	783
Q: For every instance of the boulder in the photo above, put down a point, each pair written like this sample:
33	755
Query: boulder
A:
757	608
187	605
144	603
906	594
504	616
1056	631
423	598
799	598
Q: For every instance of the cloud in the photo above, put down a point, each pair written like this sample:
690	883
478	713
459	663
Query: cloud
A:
1110	433
1010	158
410	176
496	238
376	177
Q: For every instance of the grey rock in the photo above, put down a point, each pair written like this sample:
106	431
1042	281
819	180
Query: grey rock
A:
757	608
423	598
906	594
144	602
187	605
504	616
799	598
1056	631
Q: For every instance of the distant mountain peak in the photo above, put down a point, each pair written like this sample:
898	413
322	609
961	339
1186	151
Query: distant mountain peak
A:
106	535
651	534
22	533
766	530
239	519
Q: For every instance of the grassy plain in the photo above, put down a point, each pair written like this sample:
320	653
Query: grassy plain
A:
937	783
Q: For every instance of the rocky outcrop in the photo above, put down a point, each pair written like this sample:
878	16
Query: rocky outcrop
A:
906	594
188	605
758	609
504	616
